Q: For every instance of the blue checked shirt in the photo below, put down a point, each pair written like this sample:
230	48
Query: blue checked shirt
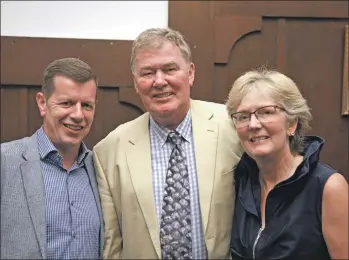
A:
160	154
72	220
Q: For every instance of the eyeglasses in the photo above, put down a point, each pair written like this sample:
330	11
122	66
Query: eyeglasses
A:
263	114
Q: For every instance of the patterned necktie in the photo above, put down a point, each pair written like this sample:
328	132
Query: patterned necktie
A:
175	228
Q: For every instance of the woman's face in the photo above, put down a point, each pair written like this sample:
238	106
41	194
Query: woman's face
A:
263	140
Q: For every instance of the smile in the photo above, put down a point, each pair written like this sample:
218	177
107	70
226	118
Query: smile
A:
163	95
258	138
73	127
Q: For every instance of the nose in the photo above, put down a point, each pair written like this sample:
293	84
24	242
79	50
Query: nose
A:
159	79
254	122
77	114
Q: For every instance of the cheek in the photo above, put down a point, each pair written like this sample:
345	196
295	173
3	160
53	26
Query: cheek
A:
243	134
89	117
143	86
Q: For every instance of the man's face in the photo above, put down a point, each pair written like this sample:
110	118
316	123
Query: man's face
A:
162	79
68	113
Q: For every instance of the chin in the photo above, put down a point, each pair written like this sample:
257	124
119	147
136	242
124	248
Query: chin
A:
72	141
165	110
253	152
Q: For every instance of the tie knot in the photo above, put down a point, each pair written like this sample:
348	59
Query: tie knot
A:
175	137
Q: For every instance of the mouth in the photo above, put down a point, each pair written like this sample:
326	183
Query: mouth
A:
162	95
73	127
258	138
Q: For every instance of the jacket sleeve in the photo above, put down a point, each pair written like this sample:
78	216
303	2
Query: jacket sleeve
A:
112	229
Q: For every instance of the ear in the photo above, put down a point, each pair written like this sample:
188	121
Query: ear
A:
292	127
191	74
41	102
135	82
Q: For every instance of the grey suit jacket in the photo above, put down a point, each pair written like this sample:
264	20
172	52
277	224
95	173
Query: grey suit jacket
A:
23	223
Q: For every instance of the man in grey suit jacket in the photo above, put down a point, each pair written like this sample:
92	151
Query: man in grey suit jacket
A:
50	206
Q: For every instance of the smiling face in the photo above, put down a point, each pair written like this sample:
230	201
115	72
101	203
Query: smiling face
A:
261	140
162	79
68	113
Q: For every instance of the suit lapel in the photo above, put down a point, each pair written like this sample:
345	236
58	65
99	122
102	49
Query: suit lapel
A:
139	161
205	133
92	176
34	191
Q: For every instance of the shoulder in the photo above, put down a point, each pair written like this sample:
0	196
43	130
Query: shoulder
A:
219	110
321	172
212	111
11	158
124	131
13	148
335	185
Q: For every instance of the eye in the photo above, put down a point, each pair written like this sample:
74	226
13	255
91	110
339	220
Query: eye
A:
66	103
146	73
266	111
87	106
170	69
242	117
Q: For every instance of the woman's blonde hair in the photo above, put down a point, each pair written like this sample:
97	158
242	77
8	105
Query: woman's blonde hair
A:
283	91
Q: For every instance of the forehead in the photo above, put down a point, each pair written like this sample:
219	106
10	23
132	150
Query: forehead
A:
167	52
68	88
256	98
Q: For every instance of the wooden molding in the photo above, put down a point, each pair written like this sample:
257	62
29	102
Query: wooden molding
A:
23	59
345	87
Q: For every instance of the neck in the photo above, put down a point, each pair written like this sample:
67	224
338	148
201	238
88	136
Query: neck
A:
170	121
69	156
275	171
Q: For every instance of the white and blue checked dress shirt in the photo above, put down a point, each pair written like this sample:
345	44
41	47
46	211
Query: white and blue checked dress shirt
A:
160	154
72	218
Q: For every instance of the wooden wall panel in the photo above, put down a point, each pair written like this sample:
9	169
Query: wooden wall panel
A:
110	113
23	59
314	58
20	115
34	118
299	9
14	108
193	19
303	39
304	44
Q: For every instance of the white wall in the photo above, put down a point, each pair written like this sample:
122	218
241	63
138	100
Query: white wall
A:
114	20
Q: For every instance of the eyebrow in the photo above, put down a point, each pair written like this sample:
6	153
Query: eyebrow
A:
65	99
166	65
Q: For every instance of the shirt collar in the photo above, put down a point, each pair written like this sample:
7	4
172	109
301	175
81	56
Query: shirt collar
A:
46	147
161	133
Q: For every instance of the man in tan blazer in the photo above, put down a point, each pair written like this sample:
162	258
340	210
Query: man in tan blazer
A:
131	162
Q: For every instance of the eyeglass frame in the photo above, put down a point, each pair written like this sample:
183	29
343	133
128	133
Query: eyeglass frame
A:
254	113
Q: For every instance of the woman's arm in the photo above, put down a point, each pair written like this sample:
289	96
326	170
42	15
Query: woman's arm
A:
335	216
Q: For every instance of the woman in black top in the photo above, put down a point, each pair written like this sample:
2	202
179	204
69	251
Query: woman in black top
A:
288	205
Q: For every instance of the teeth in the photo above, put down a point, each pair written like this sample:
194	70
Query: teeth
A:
258	138
74	127
163	95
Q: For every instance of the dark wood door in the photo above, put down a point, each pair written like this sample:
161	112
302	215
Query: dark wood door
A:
303	39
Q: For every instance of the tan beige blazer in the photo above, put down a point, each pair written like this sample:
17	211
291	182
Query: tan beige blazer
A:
124	175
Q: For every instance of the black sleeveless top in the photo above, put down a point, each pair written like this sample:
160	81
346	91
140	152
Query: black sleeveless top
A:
293	211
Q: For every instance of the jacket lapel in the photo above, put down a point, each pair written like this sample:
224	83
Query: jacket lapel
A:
139	162
34	191
205	133
92	176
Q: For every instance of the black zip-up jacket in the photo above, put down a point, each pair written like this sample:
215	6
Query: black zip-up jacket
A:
293	211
